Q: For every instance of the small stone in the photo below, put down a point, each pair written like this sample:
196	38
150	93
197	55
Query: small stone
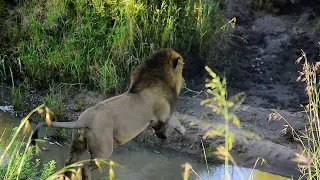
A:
263	87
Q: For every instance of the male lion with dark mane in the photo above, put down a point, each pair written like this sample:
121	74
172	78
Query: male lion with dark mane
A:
149	101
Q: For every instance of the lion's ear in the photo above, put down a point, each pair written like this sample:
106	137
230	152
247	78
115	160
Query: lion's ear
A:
175	62
162	53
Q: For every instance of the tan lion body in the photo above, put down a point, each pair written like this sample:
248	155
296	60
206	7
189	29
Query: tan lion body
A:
150	101
124	117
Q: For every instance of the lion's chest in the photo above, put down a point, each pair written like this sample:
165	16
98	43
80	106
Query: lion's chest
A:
127	132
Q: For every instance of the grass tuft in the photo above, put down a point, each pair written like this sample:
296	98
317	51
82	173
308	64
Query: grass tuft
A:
309	163
19	98
54	101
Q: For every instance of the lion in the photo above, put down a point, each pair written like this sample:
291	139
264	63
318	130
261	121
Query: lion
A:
149	102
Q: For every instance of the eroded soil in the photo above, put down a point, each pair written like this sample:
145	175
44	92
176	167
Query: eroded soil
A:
261	61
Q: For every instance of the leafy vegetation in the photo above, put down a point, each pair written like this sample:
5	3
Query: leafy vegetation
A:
97	43
19	153
226	107
29	169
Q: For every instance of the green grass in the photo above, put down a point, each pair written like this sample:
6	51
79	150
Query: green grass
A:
209	151
317	24
19	98
79	104
97	43
20	153
54	101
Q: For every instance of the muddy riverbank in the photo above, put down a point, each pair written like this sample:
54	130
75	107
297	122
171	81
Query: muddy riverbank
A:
275	147
154	163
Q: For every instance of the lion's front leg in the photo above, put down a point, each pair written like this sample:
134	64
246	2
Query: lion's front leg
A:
175	123
160	128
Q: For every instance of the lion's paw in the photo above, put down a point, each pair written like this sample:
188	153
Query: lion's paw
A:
181	130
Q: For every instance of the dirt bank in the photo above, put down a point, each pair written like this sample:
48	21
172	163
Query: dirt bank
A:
259	58
275	147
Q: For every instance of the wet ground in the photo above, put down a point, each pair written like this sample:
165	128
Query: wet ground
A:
137	163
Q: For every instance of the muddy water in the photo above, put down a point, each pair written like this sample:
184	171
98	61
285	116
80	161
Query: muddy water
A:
138	163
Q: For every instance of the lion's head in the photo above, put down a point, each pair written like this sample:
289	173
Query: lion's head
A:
162	70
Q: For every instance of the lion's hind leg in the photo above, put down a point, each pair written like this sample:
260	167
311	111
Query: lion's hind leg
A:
100	147
78	147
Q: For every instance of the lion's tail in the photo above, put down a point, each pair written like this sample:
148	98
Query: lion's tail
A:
68	125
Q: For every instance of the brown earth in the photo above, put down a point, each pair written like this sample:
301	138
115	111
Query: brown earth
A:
258	57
